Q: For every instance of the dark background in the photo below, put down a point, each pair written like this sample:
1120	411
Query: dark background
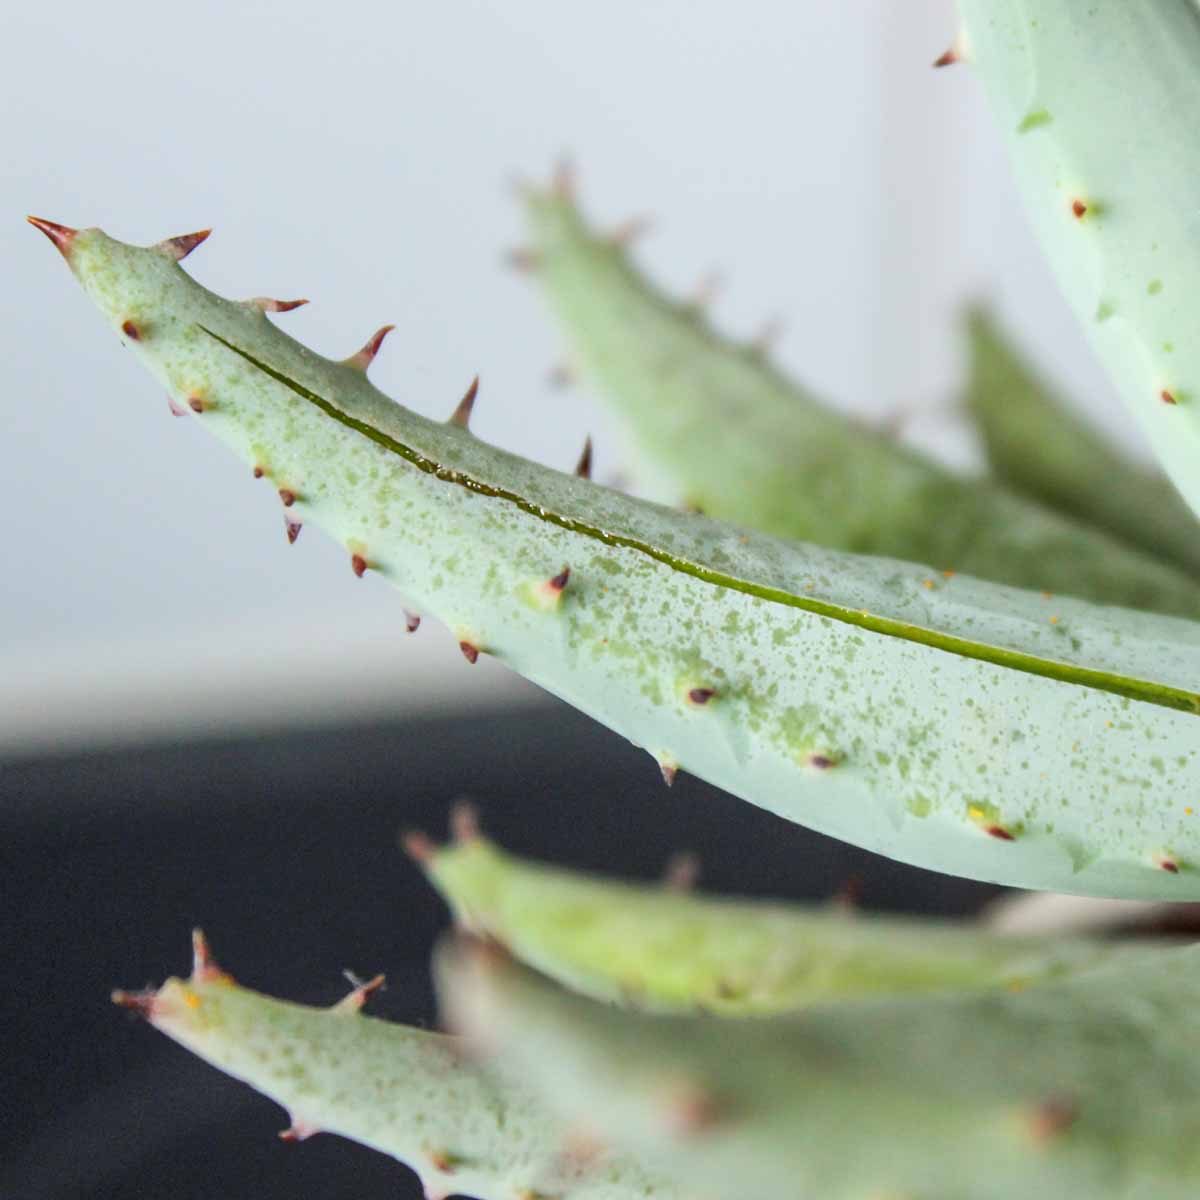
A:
283	849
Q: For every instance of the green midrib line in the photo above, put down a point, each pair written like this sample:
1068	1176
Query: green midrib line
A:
1135	689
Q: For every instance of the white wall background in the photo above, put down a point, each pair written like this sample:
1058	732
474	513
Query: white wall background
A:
358	153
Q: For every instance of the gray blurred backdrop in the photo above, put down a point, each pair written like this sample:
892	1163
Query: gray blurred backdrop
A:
361	154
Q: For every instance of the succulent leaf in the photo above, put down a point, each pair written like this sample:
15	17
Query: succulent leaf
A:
712	425
664	949
1099	102
956	724
1037	444
413	1095
1082	1087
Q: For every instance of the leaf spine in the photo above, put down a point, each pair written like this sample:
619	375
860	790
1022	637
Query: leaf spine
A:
629	231
363	358
363	990
583	468
461	416
178	248
267	305
61	235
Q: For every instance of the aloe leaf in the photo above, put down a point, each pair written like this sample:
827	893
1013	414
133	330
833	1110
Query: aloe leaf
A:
1084	1087
666	949
413	1095
964	726
1099	102
712	425
1038	445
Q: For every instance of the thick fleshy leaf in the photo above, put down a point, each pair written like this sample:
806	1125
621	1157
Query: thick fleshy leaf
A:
411	1094
1099	102
666	949
712	425
1037	444
1083	1088
964	726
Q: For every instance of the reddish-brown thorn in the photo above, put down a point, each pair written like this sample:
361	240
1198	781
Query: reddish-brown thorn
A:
177	409
701	695
822	762
668	772
464	821
61	235
469	652
1167	397
131	331
196	404
266	304
293	528
1079	208
947	59
364	989
297	1131
141	1002
204	966
562	181
181	246
1052	1117
706	290
259	471
358	565
691	1110
420	847
998	831
364	357
443	1161
461	416
287	497
629	231
559	581
583	468
412	621
682	871
1165	863
523	259
848	897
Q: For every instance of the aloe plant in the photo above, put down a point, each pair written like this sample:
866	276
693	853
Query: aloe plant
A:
961	723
